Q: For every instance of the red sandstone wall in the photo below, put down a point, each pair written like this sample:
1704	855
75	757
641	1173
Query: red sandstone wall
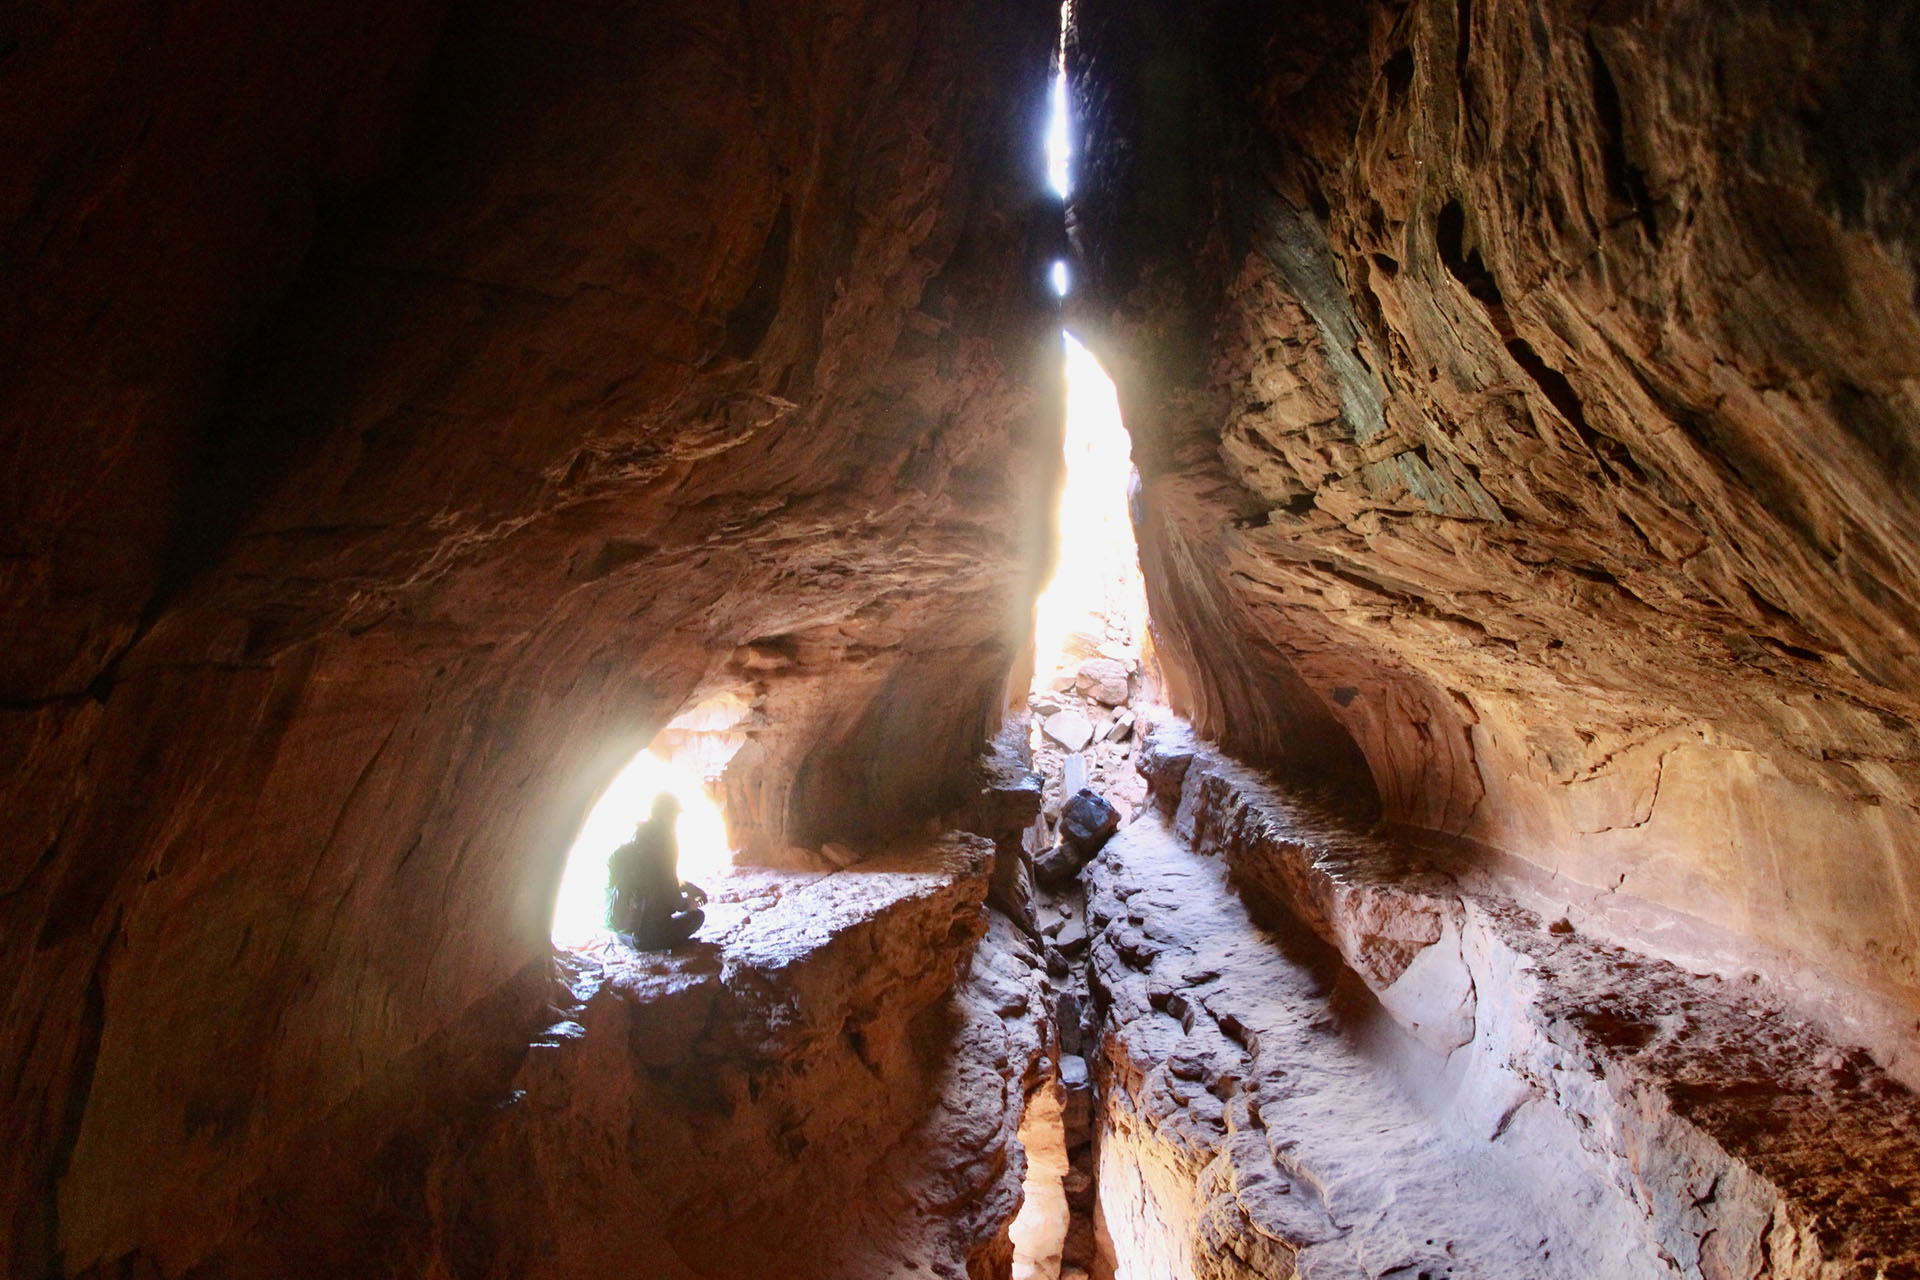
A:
334	592
1529	390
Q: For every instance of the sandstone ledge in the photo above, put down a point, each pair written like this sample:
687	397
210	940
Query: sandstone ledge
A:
793	1094
1740	1139
826	1083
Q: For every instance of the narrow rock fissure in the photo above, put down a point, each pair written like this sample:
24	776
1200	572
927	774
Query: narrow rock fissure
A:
1093	684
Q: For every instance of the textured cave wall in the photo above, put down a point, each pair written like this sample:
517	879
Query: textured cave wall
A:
409	414
1529	391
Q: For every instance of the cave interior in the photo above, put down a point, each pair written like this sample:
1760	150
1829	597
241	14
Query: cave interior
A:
1290	632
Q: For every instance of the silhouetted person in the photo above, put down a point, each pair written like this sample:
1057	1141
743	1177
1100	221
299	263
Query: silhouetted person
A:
645	897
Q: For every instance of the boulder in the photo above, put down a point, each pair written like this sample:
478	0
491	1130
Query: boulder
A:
1104	680
1068	728
1057	867
1087	821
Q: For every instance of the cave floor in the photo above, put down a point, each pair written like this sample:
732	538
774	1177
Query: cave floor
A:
1253	1099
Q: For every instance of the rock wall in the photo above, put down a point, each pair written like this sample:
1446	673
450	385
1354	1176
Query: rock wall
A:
407	417
1524	400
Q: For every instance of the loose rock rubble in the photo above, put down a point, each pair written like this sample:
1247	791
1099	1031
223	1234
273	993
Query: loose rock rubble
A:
1088	713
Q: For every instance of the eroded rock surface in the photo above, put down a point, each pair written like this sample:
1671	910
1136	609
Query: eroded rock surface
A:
1524	399
1381	1060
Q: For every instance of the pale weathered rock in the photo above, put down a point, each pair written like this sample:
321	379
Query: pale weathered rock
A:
1005	808
839	855
1602	1081
736	1105
407	418
1073	774
1103	680
1522	398
1069	728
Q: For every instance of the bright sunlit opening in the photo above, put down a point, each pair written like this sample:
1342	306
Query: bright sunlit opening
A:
1059	278
1097	576
1059	138
580	913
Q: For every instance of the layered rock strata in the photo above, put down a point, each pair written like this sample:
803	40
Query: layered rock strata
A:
1523	395
643	353
1375	1060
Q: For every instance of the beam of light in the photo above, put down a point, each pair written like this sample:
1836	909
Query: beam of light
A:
1059	138
580	911
1061	281
1097	577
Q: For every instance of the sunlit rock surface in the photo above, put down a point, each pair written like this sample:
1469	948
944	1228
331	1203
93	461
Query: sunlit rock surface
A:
405	418
1364	1056
1524	399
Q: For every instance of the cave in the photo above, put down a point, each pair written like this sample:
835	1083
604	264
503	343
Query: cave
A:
1469	828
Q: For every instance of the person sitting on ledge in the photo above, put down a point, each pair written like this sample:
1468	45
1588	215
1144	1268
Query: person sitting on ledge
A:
645	897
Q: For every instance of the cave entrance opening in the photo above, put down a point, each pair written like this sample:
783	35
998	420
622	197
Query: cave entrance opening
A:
686	760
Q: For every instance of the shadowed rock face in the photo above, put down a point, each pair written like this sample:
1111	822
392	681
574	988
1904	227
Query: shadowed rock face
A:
1524	398
405	423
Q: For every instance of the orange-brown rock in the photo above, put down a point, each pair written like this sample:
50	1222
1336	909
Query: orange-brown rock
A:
1524	400
406	417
